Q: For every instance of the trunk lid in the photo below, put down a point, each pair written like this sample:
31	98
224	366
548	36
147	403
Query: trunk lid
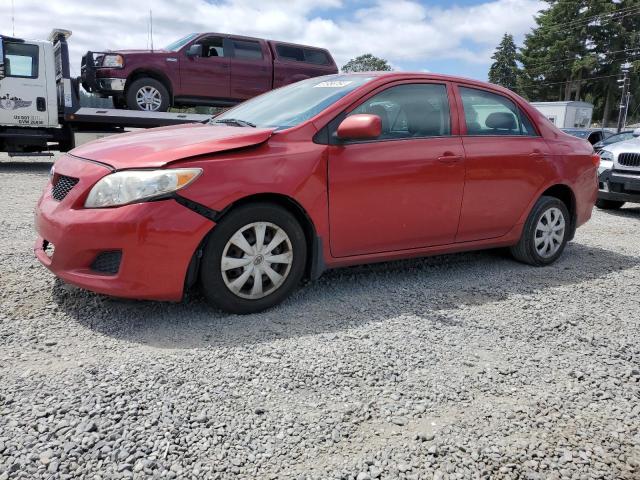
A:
158	147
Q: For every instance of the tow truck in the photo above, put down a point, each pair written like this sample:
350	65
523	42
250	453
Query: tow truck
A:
39	101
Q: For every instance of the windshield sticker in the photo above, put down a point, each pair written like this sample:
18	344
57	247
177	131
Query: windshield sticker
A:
336	84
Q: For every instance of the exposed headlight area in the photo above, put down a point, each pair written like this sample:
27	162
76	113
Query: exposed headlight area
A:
606	161
113	61
131	186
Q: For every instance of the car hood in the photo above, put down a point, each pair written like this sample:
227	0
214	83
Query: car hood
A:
158	147
137	52
630	146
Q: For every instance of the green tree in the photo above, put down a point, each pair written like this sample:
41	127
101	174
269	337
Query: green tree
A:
576	51
504	70
366	63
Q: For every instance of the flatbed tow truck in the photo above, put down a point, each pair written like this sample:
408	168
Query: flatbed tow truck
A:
39	101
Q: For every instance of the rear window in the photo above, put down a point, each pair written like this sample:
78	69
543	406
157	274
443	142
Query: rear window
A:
247	50
287	52
318	57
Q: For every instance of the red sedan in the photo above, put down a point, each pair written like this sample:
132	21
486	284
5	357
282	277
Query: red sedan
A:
327	172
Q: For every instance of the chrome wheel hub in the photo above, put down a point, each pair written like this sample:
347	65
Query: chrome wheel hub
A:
148	98
550	232
256	260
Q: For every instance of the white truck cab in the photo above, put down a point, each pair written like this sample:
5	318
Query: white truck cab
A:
39	101
28	86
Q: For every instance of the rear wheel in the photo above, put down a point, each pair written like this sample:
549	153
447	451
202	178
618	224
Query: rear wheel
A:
147	94
608	204
254	259
545	233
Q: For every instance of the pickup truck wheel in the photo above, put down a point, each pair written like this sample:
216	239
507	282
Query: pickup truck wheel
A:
545	233
254	258
148	94
608	204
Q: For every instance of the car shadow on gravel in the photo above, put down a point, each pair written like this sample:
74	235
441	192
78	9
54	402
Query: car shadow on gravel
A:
340	300
630	211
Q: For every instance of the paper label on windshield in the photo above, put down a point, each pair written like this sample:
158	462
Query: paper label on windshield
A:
336	84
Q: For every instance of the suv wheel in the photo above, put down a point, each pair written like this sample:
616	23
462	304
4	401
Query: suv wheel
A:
148	94
254	259
545	233
608	204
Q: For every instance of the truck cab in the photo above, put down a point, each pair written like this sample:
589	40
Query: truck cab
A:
27	86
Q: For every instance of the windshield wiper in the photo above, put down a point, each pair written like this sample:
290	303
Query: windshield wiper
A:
234	121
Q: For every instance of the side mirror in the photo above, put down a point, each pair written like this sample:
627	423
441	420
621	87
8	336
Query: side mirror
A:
636	132
194	50
360	127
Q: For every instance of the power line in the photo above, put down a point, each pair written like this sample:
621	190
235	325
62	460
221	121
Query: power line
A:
574	58
622	13
577	80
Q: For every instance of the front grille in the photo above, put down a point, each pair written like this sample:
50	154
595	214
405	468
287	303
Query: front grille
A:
107	262
629	159
62	186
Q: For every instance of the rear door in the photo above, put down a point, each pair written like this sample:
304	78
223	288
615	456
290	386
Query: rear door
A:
507	162
208	75
251	68
23	91
402	190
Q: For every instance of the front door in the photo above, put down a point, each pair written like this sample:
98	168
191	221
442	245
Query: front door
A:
402	190
23	90
206	76
507	162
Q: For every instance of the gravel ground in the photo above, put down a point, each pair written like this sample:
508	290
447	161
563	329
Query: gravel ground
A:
456	367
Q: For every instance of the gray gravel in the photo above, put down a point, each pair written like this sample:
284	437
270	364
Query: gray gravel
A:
457	367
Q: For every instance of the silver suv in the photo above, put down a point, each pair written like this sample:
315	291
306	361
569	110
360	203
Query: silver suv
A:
619	173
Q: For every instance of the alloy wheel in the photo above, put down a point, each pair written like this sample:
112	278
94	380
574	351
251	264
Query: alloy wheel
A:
256	260
148	98
550	232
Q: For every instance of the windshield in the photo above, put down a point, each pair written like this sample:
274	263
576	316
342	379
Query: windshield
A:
289	106
178	44
618	138
578	133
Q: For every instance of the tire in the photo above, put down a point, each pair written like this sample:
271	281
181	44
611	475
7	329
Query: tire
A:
533	251
157	95
119	102
608	204
241	267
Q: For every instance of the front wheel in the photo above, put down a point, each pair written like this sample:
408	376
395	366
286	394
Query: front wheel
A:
545	233
254	259
608	204
147	94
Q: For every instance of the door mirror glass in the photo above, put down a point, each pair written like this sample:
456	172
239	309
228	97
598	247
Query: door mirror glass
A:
360	127
194	50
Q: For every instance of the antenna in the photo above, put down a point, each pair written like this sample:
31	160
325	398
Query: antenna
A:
151	28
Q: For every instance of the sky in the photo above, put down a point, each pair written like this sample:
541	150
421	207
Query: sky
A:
453	37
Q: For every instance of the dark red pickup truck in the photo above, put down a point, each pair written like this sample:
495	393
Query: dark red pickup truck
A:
213	69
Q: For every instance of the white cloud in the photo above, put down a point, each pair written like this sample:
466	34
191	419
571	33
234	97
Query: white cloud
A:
398	30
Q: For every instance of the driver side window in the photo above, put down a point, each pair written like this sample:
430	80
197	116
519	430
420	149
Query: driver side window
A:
212	47
410	111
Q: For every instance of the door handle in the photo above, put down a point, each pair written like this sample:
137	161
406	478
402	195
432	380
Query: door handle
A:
449	159
41	104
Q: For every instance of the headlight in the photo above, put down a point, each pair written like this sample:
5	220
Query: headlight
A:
113	61
606	156
606	161
130	186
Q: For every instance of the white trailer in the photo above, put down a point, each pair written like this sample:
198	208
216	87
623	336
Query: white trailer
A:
566	114
39	102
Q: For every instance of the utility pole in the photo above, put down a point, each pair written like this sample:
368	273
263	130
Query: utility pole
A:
13	18
624	99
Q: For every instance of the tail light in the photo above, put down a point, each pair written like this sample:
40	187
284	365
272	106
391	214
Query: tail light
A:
595	158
